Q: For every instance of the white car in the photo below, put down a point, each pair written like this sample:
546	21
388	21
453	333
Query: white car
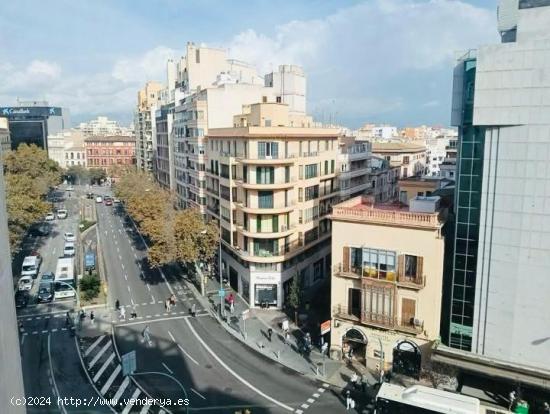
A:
49	217
116	201
69	250
62	214
25	283
99	199
69	237
70	189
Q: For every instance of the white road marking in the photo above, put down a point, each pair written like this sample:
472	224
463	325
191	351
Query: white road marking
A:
62	407
167	369
110	380
54	330
196	392
98	355
23	338
171	336
310	400
304	406
131	402
119	257
122	264
153	300
298	412
104	366
145	409
132	300
128	288
148	287
45	331
53	251
237	376
321	389
122	388
144	303
96	343
135	255
117	249
316	395
186	354
326	385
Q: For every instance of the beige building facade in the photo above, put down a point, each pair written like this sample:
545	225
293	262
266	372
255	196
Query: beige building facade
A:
144	125
272	186
410	158
5	143
387	271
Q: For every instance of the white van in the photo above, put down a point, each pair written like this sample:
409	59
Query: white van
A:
30	266
69	249
62	214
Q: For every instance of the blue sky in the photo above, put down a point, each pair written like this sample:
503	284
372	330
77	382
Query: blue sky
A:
366	61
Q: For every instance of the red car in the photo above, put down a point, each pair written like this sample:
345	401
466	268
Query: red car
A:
108	202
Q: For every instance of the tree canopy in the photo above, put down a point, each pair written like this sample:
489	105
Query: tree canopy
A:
176	235
29	175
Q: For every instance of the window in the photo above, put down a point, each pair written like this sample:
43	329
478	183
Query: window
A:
265	175
268	122
224	192
268	150
318	270
287	174
311	192
326	167
410	265
311	235
332	166
224	170
406	159
265	199
278	99
375	263
310	171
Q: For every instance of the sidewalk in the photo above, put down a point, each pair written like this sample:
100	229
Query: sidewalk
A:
254	332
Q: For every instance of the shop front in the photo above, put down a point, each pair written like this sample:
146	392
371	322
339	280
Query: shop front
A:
266	290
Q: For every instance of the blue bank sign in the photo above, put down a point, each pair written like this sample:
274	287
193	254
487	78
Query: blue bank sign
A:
30	111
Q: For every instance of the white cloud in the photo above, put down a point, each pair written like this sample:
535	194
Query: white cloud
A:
43	68
150	65
369	59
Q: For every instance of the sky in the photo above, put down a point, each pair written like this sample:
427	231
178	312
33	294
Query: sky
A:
380	61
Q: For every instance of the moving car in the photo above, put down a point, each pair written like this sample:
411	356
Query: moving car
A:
69	249
47	277
62	213
70	188
45	292
22	298
25	283
69	237
50	216
30	266
99	199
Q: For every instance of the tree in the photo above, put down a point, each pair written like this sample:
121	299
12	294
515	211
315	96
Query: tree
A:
90	285
195	239
77	174
29	175
295	296
96	175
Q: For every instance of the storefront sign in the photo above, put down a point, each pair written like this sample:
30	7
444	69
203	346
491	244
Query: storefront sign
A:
325	327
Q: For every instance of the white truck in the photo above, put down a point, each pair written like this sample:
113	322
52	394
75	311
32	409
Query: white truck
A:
64	282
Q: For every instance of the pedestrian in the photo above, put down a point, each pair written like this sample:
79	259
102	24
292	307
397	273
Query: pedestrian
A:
348	400
231	307
123	313
145	334
364	382
269	333
167	305
354	379
546	408
92	317
287	338
512	397
68	318
193	309
133	315
173	300
117	305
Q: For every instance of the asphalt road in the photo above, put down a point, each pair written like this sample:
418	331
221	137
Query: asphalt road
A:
50	358
218	373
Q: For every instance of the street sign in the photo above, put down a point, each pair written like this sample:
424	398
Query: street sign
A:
221	293
325	327
245	314
129	363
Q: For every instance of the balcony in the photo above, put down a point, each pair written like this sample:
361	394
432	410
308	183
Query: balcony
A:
267	160
214	191
275	185
275	208
412	282
282	231
371	274
411	325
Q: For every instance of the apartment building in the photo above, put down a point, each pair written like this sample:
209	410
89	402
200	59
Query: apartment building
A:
410	158
271	185
384	179
67	148
110	152
144	125
425	186
102	125
387	271
447	169
354	169
5	143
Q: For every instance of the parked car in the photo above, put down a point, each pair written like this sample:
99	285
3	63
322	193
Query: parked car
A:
62	213
47	277
45	292
70	188
25	283
99	199
50	216
69	237
108	202
116	201
69	250
22	298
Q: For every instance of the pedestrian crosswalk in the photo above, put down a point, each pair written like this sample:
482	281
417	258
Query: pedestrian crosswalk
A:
105	370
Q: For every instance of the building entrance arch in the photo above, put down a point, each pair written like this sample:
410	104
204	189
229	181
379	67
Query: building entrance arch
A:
407	359
354	345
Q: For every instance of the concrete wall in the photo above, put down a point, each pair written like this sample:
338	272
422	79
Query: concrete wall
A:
11	378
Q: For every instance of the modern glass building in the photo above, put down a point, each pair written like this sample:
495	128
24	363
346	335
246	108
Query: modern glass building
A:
467	202
32	122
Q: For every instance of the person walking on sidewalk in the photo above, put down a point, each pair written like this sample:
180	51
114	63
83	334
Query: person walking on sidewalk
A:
348	400
173	300
193	309
123	313
269	333
133	314
354	378
117	305
167	305
92	317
